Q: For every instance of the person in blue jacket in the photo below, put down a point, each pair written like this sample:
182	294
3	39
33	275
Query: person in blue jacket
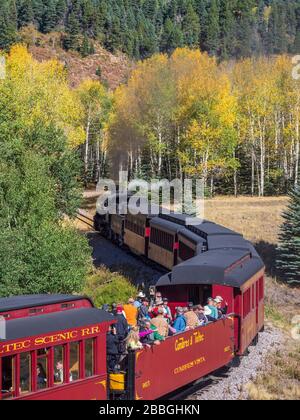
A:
211	304
180	321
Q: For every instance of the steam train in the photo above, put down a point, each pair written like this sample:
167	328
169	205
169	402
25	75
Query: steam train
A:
55	346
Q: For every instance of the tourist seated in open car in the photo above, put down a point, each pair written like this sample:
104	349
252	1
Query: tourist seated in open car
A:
161	323
144	310
159	304
200	312
222	306
149	334
131	313
180	321
133	340
212	306
139	300
167	309
192	320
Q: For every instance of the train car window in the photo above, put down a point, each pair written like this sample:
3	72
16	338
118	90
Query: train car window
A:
36	311
185	252
59	364
261	289
25	373
68	306
74	362
135	225
162	239
253	297
247	303
89	358
7	377
42	368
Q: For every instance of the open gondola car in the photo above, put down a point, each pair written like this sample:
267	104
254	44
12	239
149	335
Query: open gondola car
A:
55	348
236	274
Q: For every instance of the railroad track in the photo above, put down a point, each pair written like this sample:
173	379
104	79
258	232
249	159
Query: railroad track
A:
85	218
200	386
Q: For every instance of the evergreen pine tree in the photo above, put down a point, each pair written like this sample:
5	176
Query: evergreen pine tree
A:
38	12
191	27
71	41
213	29
262	27
288	259
245	28
85	46
227	29
277	39
25	13
61	11
172	37
201	7
8	24
49	17
296	45
295	49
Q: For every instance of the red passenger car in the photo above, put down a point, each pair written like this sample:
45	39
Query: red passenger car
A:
236	274
55	348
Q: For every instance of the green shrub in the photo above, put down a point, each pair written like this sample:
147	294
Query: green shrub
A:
105	287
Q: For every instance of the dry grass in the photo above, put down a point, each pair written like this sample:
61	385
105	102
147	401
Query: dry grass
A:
258	219
280	377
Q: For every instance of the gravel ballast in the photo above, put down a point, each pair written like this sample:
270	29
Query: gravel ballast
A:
233	385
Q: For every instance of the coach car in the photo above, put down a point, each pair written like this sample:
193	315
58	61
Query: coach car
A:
54	348
237	275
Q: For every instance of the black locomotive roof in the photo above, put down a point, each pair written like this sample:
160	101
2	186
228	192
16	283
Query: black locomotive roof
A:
30	301
231	267
57	321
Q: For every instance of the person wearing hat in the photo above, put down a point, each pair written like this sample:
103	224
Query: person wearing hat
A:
192	320
167	309
112	350
144	310
161	323
138	302
159	304
200	312
131	313
121	327
222	310
180	321
211	304
208	314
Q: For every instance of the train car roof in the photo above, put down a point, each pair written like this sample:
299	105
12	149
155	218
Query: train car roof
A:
207	229
195	239
231	267
57	321
226	241
181	219
30	301
166	226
